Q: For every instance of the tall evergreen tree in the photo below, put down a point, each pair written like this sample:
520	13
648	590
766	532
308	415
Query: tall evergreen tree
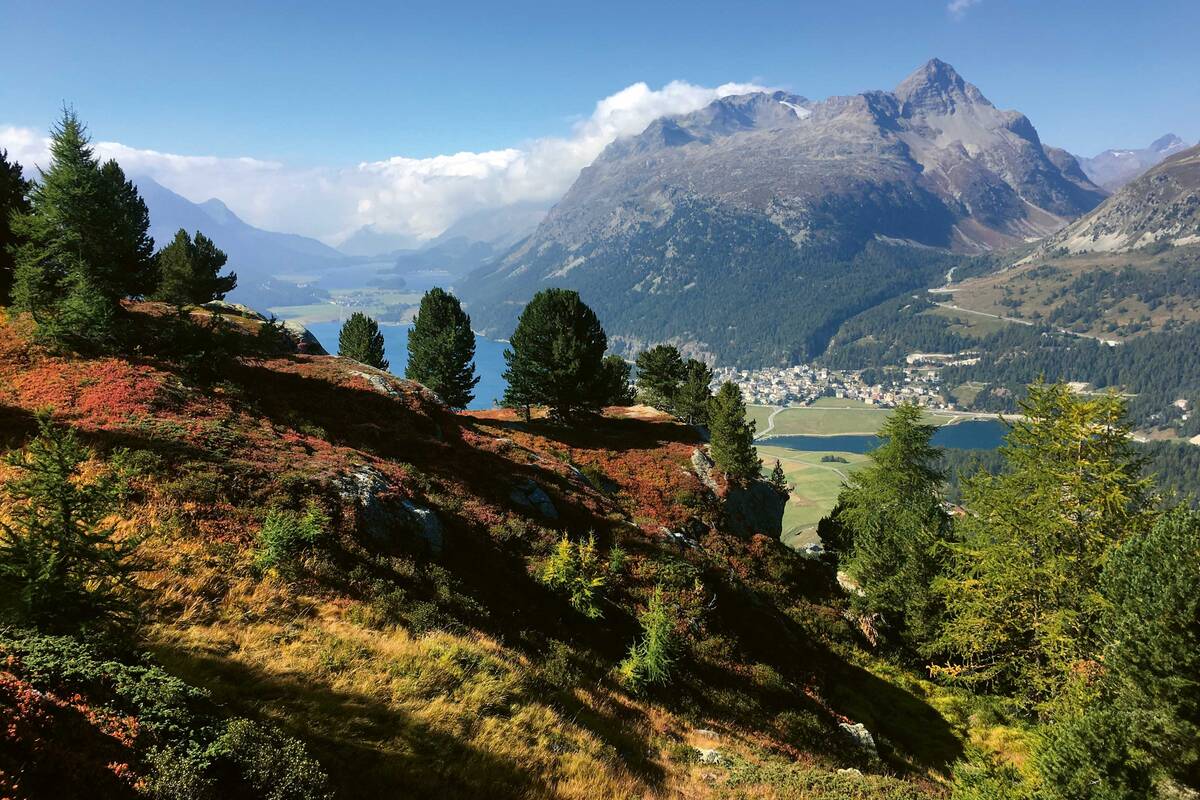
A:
441	349
125	262
892	512
659	373
616	376
732	436
694	395
361	340
84	242
189	271
14	199
59	554
556	354
1023	603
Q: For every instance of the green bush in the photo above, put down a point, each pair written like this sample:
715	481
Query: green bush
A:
189	752
575	569
651	660
285	534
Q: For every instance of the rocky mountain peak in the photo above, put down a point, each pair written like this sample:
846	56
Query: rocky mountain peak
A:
936	87
1170	143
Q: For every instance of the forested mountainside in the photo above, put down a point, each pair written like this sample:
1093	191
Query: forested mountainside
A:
767	196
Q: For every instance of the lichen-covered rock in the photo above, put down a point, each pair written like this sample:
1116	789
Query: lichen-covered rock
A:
305	341
426	525
529	495
862	737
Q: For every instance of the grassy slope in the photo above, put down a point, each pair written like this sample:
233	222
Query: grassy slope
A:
1031	291
460	675
815	487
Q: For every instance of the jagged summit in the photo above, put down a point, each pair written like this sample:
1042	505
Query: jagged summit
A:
936	86
756	189
1168	143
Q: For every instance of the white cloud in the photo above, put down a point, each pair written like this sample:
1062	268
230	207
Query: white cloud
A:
958	8
415	196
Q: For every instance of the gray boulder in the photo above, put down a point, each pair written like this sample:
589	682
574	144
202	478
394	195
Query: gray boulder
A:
529	495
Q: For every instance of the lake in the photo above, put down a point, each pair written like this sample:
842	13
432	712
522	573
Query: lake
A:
978	434
489	358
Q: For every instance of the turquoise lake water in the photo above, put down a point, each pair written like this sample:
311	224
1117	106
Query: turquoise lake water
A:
981	434
489	358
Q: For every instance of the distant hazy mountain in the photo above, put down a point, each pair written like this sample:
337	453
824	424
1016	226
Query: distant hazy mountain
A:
370	241
714	227
500	227
473	241
256	255
1112	169
1160	207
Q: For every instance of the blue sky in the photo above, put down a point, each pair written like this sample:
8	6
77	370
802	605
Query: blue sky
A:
327	85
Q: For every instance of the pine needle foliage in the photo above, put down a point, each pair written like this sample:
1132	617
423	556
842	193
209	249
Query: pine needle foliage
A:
441	349
576	570
1022	591
189	271
60	557
732	441
361	340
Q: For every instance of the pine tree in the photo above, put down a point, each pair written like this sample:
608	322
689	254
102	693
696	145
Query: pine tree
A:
617	389
779	480
14	199
659	373
361	340
441	349
84	243
189	271
59	555
125	262
892	511
1022	589
732	436
556	356
694	395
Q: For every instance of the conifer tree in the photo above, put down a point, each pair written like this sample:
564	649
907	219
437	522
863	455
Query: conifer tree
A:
84	242
361	340
732	436
694	395
441	349
779	480
1021	593
125	256
1134	715
59	555
617	389
189	271
659	373
892	512
14	199
556	354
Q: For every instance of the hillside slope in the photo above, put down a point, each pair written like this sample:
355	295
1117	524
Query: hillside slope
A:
767	196
413	647
1162	207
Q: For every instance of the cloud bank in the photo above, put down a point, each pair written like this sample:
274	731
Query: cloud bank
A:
412	196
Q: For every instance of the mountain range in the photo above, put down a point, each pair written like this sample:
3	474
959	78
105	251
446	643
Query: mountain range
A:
752	227
1112	169
1160	208
259	257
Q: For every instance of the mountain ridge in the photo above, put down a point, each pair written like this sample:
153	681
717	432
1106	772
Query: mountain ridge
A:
932	163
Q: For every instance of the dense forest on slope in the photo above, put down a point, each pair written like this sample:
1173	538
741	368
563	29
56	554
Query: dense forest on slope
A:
747	296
